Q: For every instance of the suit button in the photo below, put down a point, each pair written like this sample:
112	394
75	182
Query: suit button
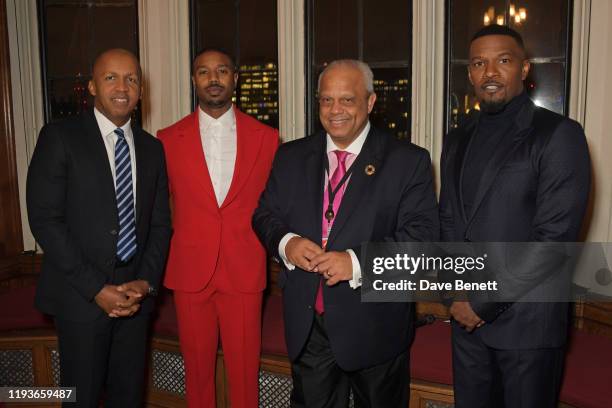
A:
113	232
309	307
110	262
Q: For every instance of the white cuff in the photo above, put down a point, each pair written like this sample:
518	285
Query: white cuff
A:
281	250
356	281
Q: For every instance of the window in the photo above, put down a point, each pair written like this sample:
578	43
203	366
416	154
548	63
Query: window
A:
73	33
377	32
248	30
548	49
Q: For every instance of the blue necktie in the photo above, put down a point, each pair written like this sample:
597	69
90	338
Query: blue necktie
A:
126	246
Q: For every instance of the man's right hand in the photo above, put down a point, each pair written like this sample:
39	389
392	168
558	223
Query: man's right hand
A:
300	251
109	300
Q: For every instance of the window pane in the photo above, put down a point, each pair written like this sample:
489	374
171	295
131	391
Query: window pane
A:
73	34
375	31
466	17
392	108
387	31
547	49
247	29
544	85
334	30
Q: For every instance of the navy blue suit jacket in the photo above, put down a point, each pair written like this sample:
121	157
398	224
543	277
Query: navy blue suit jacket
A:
534	189
396	203
72	211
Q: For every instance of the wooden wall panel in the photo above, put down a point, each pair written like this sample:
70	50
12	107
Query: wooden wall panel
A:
11	240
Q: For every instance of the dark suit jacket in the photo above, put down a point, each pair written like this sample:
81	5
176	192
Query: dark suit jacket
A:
534	189
73	215
397	203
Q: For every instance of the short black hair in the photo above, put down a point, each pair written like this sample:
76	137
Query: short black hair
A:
115	50
214	49
495	29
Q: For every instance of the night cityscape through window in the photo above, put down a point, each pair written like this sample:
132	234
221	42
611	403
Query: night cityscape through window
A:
248	30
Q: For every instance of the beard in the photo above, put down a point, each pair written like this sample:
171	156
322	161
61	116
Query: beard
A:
222	97
218	103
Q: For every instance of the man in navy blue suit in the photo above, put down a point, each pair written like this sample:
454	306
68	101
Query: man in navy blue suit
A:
97	195
513	172
326	195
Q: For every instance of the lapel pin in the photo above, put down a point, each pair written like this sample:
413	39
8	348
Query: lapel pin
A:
370	169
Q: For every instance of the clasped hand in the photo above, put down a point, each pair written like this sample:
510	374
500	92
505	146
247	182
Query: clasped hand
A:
463	313
334	266
122	300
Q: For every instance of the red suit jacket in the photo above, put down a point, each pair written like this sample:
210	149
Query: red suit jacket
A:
206	235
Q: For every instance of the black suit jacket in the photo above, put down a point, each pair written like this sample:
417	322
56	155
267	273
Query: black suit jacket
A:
73	215
534	189
396	203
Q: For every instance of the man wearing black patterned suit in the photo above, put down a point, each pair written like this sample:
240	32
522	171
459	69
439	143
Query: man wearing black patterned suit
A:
97	199
326	195
513	172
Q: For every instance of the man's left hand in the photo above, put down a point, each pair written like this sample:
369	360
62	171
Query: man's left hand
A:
334	266
463	313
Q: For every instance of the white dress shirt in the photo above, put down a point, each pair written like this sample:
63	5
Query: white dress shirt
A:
219	145
107	129
354	148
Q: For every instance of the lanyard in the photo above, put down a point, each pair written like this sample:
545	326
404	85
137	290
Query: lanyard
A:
329	213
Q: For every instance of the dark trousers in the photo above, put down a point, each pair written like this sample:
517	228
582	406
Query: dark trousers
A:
107	353
318	381
485	377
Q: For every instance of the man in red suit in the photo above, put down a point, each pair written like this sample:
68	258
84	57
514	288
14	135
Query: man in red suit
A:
218	161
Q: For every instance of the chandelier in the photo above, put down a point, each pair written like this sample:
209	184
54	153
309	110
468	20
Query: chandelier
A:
513	15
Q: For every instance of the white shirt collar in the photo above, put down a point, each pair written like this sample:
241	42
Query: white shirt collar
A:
227	120
108	128
355	147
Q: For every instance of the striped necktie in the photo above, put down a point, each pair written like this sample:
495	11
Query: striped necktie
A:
126	246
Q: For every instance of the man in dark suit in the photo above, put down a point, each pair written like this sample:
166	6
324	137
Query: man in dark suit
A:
326	195
97	199
513	172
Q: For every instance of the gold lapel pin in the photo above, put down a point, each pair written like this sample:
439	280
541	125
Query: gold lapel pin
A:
370	169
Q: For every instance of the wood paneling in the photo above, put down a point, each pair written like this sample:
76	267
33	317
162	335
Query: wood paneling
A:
596	318
19	271
11	241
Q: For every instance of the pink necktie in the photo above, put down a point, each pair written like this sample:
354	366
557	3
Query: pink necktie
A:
326	226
